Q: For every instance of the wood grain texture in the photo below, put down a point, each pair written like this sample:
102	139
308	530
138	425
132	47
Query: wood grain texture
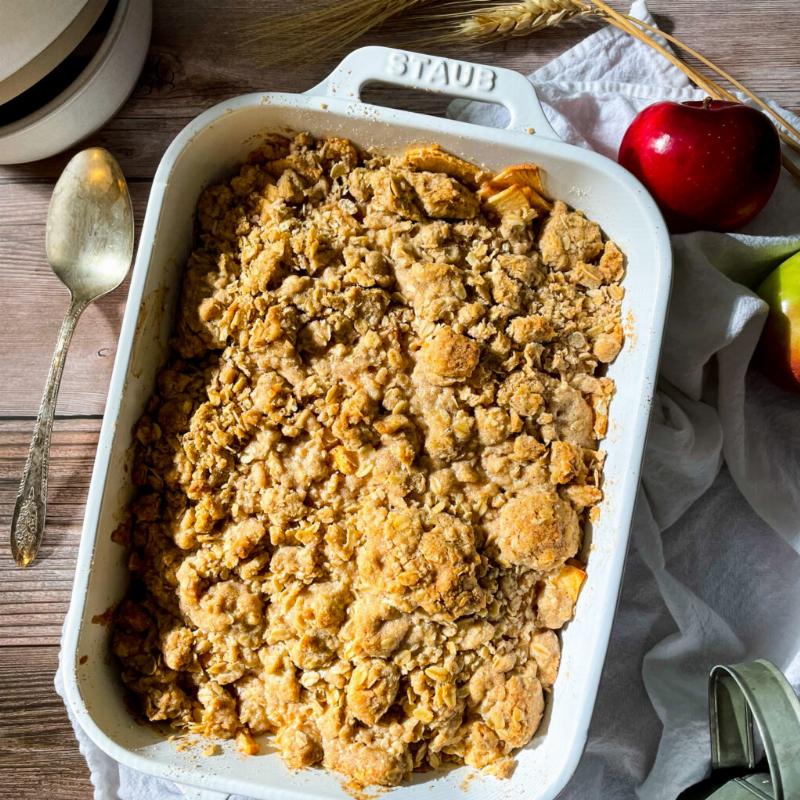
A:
24	275
33	601
38	754
201	53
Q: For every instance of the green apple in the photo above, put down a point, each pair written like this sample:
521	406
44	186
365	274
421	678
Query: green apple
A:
779	348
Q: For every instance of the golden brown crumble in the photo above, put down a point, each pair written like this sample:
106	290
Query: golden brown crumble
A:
364	471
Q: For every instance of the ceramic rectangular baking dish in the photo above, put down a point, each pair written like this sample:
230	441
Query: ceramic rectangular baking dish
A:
208	150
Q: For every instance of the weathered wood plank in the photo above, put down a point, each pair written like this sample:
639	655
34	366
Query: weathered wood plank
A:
34	302
39	755
33	601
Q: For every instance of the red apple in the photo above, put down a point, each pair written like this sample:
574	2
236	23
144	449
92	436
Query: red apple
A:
709	165
779	348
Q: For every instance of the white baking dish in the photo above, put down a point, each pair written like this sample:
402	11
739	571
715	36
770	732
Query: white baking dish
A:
208	149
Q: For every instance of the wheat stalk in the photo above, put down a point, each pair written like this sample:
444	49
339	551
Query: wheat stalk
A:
519	19
323	31
478	22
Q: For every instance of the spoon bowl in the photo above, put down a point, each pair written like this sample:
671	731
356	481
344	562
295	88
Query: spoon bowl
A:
89	235
89	243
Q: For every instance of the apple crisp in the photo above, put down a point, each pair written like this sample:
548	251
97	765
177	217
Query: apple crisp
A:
364	471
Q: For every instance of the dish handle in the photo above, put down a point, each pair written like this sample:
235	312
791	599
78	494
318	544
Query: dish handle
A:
446	76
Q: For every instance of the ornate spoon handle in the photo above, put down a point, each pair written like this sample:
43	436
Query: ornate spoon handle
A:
27	523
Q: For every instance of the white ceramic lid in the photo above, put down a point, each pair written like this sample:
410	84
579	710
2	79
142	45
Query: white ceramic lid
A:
93	97
37	35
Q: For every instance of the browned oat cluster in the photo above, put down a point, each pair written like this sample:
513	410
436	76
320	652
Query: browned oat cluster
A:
364	471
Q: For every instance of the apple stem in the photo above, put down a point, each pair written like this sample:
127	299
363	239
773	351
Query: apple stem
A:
706	102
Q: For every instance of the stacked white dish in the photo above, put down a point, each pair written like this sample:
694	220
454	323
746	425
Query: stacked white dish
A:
66	66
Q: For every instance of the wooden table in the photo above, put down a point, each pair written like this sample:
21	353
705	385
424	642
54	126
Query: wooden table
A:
194	62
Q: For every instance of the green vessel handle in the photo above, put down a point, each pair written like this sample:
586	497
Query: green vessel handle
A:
756	691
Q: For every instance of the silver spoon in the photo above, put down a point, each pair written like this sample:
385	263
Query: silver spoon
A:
89	243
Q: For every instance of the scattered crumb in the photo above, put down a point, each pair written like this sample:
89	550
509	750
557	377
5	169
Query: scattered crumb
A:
122	533
247	745
358	792
629	329
503	768
107	617
183	743
470	776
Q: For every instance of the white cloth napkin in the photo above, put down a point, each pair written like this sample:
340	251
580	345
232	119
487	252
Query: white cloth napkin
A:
713	574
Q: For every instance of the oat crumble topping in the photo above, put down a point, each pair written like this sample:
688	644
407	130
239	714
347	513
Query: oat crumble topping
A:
364	471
